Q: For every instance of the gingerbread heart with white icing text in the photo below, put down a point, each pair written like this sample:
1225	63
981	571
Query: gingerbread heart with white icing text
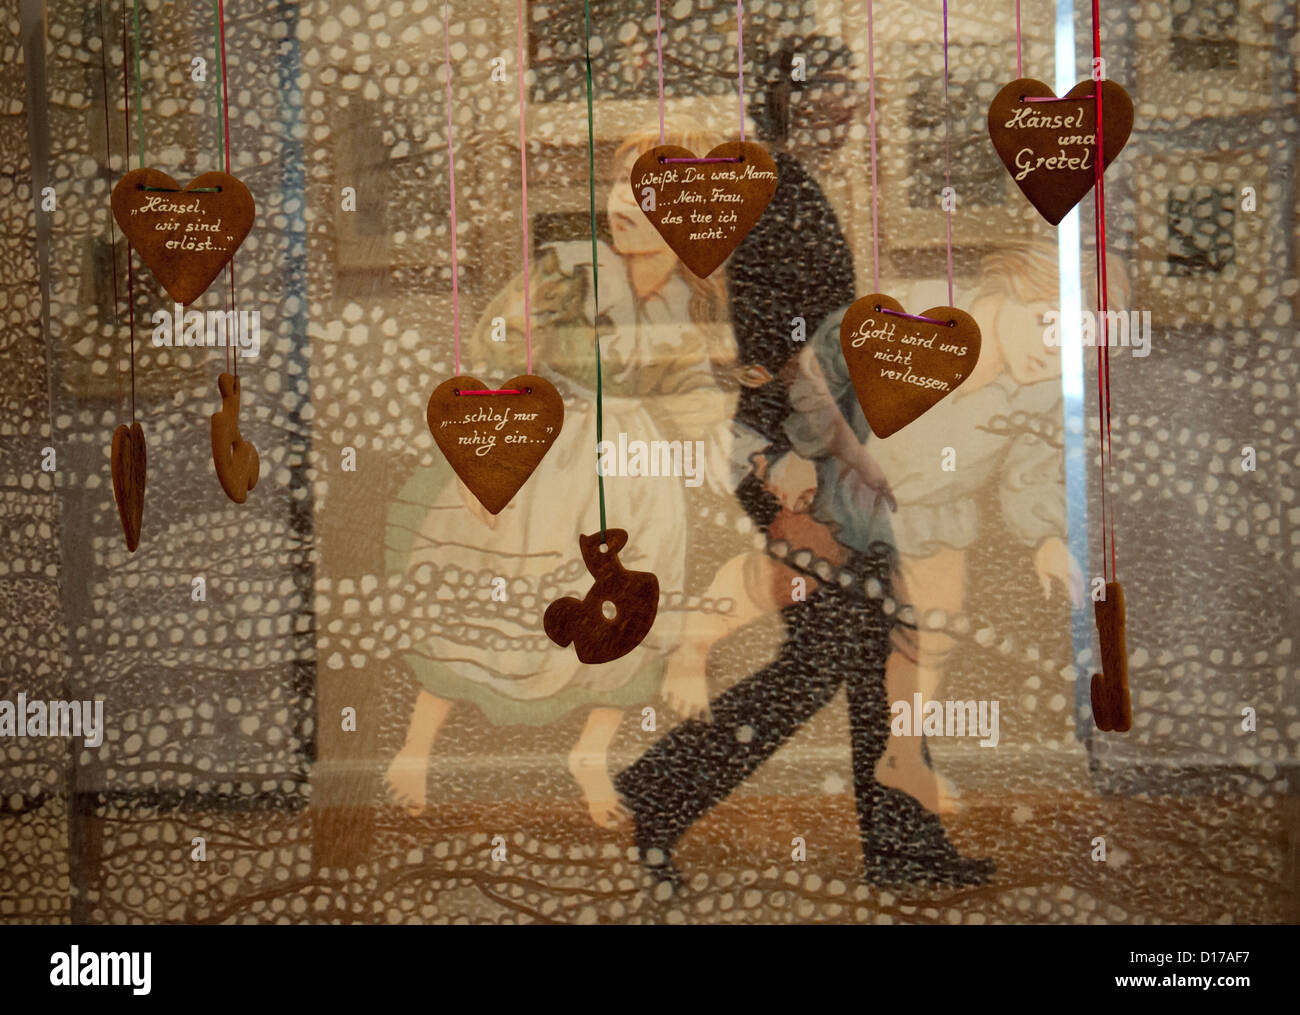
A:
704	206
495	439
1049	144
902	364
186	235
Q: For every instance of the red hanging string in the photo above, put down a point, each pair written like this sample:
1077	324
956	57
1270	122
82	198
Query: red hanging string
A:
108	146
523	176
130	271
224	127
1103	303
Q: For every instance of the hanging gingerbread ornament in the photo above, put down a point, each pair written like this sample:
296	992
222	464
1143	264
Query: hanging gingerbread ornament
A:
494	438
186	235
128	467
234	458
1112	709
616	614
127	458
703	206
902	364
618	611
1049	144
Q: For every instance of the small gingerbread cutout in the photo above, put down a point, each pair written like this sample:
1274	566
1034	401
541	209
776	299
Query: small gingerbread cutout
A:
1112	709
235	459
616	614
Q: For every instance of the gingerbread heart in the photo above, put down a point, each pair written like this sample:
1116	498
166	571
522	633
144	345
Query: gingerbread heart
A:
901	364
128	465
704	207
618	610
185	234
1049	147
495	439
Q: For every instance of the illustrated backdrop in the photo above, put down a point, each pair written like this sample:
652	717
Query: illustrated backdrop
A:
371	589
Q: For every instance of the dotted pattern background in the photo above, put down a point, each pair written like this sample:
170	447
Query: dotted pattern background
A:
215	708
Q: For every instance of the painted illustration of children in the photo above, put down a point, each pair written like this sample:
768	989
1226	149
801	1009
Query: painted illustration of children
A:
985	447
668	357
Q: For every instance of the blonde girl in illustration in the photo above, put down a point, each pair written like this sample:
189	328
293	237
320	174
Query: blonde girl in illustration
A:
667	356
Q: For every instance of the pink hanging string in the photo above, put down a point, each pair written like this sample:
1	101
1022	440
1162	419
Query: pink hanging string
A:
871	93
1019	63
740	62
659	47
947	148
523	179
451	186
740	74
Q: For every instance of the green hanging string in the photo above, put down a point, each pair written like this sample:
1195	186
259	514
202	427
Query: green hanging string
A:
595	270
139	107
219	77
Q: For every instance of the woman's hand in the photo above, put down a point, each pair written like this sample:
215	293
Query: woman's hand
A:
752	375
868	470
1054	562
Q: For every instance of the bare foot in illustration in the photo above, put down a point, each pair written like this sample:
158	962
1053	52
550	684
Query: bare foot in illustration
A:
914	777
406	781
589	765
408	774
592	776
685	689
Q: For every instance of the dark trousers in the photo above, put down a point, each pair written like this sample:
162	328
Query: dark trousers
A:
837	637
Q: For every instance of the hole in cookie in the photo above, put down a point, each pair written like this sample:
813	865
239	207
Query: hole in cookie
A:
608	610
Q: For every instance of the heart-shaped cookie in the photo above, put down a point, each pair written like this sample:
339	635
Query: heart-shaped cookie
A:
703	208
1049	147
902	366
128	462
494	441
185	234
